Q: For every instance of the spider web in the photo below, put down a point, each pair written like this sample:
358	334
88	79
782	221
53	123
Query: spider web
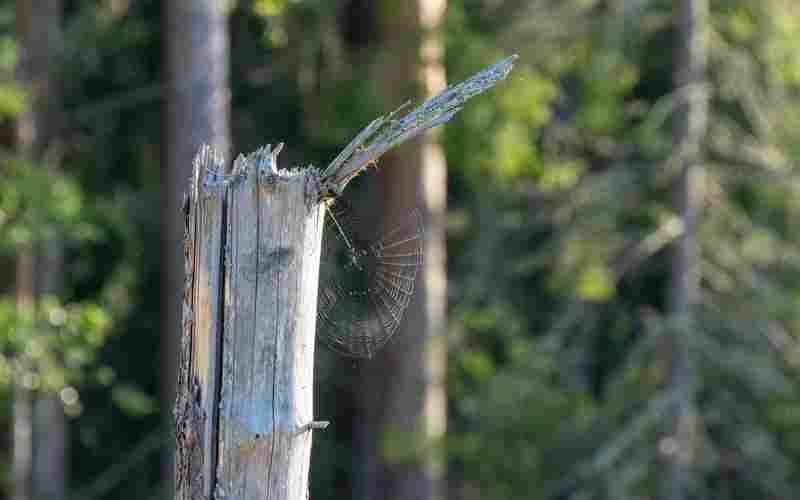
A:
367	279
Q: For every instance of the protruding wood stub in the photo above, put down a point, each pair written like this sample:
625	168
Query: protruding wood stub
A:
389	131
313	426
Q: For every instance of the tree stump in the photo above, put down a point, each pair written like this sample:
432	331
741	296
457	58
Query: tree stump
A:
244	412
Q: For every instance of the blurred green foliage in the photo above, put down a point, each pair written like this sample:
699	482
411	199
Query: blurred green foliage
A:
53	347
573	242
37	205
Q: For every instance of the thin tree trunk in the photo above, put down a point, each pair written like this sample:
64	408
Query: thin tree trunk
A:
679	446
51	464
197	60
22	465
40	434
412	406
22	412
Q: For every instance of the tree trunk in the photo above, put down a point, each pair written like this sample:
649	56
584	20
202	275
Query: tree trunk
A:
410	407
22	457
40	428
245	405
198	95
51	464
679	445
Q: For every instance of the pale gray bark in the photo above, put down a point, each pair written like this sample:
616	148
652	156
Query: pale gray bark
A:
680	443
22	457
40	429
51	463
198	95
261	376
244	413
275	228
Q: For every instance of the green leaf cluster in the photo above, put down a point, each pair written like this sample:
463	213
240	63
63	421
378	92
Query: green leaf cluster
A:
51	347
38	205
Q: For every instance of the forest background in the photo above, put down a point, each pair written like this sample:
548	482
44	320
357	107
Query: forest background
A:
610	307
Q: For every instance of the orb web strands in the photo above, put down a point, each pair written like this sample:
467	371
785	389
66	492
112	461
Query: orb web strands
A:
367	281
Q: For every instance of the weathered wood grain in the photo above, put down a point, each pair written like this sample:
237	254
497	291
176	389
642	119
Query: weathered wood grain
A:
388	131
196	405
275	227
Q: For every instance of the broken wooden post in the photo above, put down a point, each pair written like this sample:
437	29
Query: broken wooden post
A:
243	414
